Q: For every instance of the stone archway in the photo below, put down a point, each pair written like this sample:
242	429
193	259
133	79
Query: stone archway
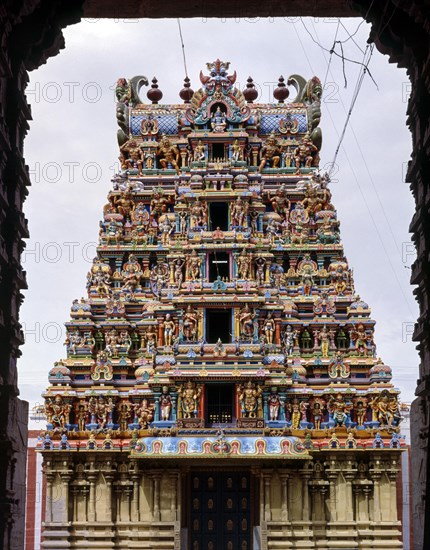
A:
32	32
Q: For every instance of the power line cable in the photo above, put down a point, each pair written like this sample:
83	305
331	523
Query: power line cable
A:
183	46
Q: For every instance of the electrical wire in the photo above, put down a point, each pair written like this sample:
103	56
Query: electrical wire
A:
183	46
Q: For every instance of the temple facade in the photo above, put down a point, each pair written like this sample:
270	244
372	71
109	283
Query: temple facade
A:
221	389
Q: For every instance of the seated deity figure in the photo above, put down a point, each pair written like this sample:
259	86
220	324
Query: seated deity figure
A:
131	156
305	153
168	154
270	153
218	121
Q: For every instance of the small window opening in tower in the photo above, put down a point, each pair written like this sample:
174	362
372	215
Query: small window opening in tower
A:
219	404
218	325
218	151
218	215
219	266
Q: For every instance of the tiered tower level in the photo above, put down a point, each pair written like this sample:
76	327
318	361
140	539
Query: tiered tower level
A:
221	389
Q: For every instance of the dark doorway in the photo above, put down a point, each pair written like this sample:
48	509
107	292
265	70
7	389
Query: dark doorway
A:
219	266
218	325
218	151
219	404
220	516
218	215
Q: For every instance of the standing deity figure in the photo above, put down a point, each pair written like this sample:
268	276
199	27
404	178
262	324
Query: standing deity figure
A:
250	399
360	409
167	229
280	202
253	216
272	230
270	153
81	411
193	266
199	151
169	330
131	156
165	401
359	339
198	215
246	322
178	273
243	261
289	338
269	328
323	337
183	221
305	153
124	414
317	412
218	121
189	397
159	278
239	212
168	154
190	324
260	276
295	411
274	403
150	339
236	151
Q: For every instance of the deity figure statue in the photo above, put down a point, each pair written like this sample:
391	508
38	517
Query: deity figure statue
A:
269	328
243	261
149	339
337	368
323	337
306	340
239	212
236	151
246	322
167	229
124	415
183	221
295	410
311	203
289	338
274	403
131	273
100	411
272	230
280	202
178	274
277	275
57	412
140	214
219	349
193	265
165	401
339	409
131	156
168	154
112	343
99	277
359	339
317	412
144	412
360	409
270	153
260	265
249	395
253	216
385	409
158	205
169	330
189	398
199	152
198	215
218	121
190	324
305	153
81	411
159	278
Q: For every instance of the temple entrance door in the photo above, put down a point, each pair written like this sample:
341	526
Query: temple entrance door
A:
220	511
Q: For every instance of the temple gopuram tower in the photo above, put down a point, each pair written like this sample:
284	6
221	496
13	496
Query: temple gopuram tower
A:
221	389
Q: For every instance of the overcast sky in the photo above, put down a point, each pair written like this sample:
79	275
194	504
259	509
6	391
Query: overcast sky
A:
72	153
